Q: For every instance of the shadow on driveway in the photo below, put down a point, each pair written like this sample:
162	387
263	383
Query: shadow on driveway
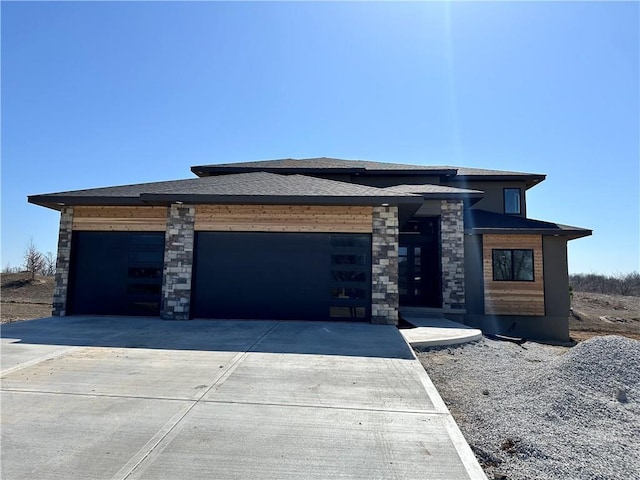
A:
296	337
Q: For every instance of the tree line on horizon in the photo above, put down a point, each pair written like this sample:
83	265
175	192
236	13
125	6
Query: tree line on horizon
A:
616	284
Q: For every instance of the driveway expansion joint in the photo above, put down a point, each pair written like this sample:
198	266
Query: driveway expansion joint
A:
36	361
332	407
290	428
97	395
169	430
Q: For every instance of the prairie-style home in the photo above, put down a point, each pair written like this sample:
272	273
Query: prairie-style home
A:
317	239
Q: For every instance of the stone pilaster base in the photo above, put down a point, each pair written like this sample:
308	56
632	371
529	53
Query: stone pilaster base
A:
178	262
384	266
452	247
62	263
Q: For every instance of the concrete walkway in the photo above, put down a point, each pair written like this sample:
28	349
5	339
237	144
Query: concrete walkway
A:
124	398
433	331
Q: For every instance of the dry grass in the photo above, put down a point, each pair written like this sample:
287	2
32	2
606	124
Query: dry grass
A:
23	298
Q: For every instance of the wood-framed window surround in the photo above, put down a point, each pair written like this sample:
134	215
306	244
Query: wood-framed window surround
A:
512	265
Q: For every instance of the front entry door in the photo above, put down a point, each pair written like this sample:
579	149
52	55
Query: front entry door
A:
419	277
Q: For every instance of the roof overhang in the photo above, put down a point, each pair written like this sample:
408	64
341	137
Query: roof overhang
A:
570	234
531	180
482	222
58	202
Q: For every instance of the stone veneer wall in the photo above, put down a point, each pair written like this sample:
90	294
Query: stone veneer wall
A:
452	241
384	266
62	263
178	262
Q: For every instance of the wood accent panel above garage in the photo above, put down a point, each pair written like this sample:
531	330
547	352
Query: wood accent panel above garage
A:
284	218
120	219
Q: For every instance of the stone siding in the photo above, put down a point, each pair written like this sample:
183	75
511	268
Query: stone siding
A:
384	266
62	263
178	262
452	241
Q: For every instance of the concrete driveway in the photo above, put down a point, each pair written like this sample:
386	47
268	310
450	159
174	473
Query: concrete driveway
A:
131	398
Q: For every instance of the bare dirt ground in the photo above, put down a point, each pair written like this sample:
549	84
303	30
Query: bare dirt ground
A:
23	299
602	314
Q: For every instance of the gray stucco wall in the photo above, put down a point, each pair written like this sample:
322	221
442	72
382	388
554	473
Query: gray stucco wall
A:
534	328
389	180
473	277
556	276
493	199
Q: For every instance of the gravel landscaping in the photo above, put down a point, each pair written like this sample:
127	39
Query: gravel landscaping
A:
545	412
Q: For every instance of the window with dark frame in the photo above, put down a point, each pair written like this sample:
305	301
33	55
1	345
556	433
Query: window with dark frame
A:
512	265
350	272
512	201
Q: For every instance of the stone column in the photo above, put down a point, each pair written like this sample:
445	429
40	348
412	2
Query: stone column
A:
178	262
62	263
384	266
452	247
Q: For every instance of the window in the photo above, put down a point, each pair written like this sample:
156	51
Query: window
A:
512	201
513	265
350	276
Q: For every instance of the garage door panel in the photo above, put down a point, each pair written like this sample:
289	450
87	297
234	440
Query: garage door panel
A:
267	276
116	273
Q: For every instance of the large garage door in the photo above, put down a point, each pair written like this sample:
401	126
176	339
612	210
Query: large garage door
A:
294	276
116	273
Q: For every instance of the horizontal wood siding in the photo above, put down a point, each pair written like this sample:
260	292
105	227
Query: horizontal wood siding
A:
284	218
120	219
513	298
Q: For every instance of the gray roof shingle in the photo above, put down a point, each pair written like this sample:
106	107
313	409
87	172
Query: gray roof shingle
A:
323	163
259	186
429	189
336	164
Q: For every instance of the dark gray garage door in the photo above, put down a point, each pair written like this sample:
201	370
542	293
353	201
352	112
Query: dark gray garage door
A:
116	273
292	276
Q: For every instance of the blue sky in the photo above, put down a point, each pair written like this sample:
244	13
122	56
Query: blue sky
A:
100	94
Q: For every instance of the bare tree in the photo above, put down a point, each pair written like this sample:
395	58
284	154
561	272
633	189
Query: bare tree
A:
626	283
9	269
34	261
49	268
